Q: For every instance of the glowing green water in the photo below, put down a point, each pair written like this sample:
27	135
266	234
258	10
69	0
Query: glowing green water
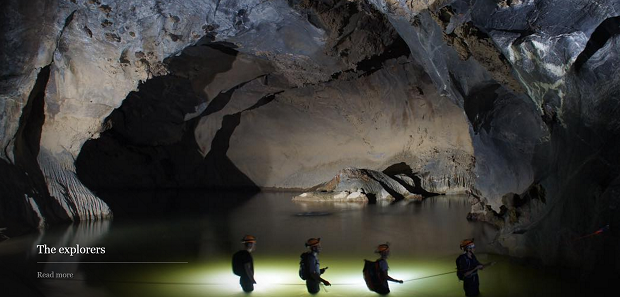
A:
424	239
279	278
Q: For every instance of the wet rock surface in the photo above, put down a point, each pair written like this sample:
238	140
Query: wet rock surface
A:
353	184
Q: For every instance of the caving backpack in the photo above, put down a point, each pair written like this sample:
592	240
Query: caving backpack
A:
237	263
374	278
303	265
460	272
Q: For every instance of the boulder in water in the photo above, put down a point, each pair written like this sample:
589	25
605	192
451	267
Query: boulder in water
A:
353	184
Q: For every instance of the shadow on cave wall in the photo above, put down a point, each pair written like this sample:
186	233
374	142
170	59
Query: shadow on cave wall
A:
606	30
479	105
403	169
586	199
24	178
150	145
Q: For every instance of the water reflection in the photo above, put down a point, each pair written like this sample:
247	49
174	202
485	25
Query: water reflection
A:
335	204
84	233
20	261
424	239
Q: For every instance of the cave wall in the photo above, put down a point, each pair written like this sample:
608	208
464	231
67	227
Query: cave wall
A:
97	53
393	115
467	68
513	101
255	124
544	151
152	140
26	51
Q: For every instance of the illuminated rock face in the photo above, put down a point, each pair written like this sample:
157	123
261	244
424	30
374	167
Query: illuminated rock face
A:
353	184
515	102
543	145
95	53
243	121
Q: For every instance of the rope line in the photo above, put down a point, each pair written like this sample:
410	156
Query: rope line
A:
434	275
135	282
181	283
220	284
324	288
223	284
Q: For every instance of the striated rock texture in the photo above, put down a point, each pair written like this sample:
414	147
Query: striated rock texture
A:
353	184
515	102
89	55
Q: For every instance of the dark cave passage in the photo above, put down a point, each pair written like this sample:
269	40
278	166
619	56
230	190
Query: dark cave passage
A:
150	143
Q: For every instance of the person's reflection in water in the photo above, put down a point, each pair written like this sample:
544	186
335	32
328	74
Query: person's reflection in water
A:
311	267
243	264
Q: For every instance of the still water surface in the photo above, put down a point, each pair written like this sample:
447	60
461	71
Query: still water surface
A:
424	240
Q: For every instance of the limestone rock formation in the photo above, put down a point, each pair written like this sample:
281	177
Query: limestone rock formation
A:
532	140
353	184
344	196
96	53
514	102
255	126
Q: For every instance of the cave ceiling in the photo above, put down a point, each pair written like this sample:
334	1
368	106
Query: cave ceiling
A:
513	102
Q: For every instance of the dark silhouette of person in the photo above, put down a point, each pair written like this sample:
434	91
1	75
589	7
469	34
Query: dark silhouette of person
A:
243	264
467	268
312	266
384	251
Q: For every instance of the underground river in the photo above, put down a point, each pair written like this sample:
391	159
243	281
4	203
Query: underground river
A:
181	254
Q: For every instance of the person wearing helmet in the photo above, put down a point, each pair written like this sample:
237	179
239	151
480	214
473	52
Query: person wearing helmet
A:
311	265
467	268
384	251
243	264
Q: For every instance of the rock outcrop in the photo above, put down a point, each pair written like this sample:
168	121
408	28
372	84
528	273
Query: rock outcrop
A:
557	137
96	54
255	125
353	184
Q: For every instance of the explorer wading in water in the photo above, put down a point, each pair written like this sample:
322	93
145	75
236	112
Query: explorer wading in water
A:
376	273
309	269
467	268
243	264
